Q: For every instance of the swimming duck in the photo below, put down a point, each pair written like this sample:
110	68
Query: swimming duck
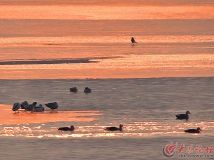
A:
74	89
115	128
87	90
197	130
183	116
71	128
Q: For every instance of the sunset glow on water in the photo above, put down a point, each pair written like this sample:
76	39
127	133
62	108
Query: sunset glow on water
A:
22	117
59	50
155	53
103	30
105	12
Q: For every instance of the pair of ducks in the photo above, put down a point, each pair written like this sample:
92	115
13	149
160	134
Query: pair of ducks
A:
71	128
186	117
86	90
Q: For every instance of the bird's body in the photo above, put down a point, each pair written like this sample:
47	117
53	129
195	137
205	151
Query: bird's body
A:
87	90
133	40
38	108
31	106
71	128
183	116
120	128
16	106
24	105
74	89
53	105
197	130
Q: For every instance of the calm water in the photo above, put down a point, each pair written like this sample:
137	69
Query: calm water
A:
46	39
146	107
166	48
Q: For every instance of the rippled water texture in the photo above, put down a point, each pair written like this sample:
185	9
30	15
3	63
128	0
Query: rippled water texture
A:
58	44
146	107
149	111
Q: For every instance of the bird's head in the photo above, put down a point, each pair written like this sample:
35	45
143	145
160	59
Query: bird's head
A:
199	129
121	126
188	112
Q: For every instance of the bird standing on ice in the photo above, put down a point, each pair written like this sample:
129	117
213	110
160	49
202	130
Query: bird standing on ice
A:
133	41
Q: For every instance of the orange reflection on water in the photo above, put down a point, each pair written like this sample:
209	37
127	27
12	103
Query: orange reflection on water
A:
7	116
130	66
105	12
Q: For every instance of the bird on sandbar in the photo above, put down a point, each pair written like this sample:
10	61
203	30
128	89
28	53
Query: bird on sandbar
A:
31	106
16	107
24	105
52	106
38	108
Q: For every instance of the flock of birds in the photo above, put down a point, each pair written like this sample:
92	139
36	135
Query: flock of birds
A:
54	105
34	107
120	128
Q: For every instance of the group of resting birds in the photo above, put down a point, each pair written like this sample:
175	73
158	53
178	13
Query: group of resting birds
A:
86	90
34	107
120	128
